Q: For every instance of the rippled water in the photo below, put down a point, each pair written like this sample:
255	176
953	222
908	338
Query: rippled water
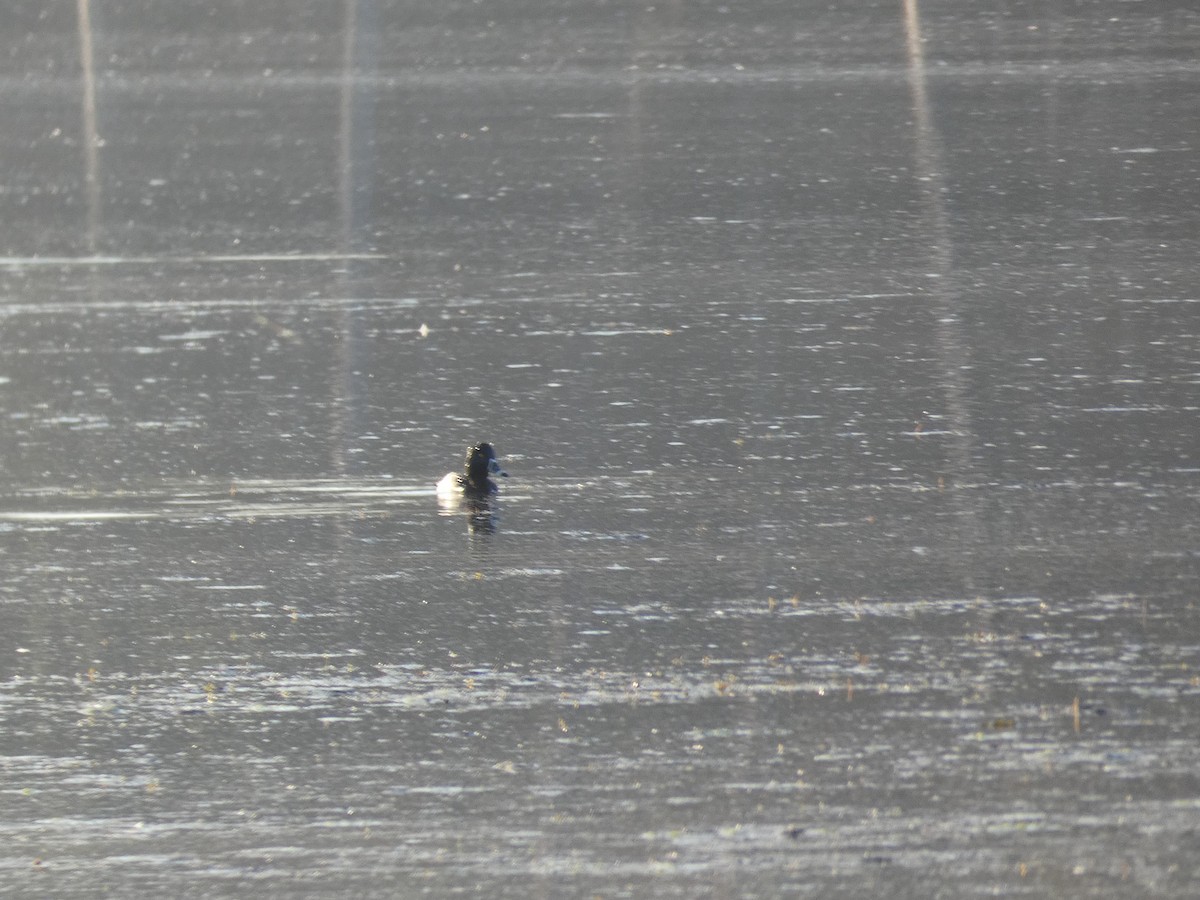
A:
844	362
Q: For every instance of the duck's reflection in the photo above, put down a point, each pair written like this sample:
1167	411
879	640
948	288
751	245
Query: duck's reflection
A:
481	512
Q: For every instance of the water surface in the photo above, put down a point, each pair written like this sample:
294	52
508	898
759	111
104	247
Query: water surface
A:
844	361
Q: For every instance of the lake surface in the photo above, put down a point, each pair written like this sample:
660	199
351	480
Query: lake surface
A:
846	363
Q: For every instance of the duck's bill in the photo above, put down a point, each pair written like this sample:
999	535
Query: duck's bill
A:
494	468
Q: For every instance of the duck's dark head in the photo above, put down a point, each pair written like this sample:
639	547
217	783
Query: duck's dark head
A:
481	462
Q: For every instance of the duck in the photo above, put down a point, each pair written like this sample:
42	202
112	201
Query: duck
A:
474	480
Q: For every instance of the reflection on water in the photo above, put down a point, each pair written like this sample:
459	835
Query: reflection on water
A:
480	513
848	368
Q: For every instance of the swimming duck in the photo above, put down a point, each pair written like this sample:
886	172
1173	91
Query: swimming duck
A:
473	481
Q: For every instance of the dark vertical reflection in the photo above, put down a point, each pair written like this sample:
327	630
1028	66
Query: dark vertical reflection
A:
360	55
949	334
91	140
355	177
349	391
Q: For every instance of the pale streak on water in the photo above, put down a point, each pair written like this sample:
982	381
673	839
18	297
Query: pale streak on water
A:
17	262
844	360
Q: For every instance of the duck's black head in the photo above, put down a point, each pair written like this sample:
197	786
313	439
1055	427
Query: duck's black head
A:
481	462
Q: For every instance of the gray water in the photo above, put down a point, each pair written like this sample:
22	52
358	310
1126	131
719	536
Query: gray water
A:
845	362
